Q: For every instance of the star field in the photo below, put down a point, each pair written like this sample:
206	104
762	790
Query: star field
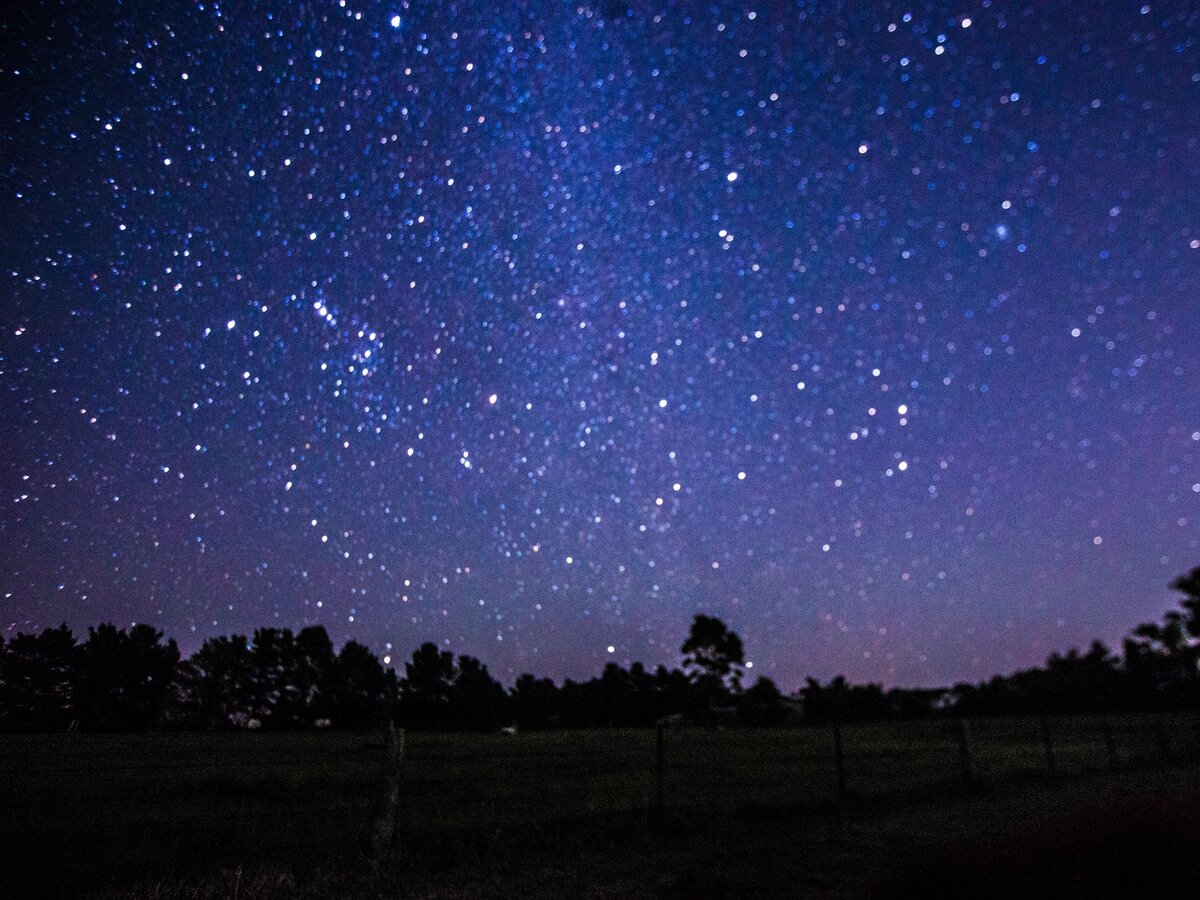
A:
535	330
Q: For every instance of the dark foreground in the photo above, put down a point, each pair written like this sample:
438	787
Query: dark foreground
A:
1134	834
553	814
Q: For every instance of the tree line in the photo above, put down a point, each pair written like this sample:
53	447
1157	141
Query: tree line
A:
131	680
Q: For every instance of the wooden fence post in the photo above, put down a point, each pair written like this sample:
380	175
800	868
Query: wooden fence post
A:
839	760
660	770
380	831
1110	745
965	757
1047	742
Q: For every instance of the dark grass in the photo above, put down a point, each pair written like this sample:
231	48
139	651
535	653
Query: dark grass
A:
81	812
1133	833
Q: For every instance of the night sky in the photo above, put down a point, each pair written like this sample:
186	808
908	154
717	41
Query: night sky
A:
534	329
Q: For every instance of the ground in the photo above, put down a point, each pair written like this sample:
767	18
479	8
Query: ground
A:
571	814
1125	835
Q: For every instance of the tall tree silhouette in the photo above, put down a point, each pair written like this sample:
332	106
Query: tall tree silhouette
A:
124	680
315	664
277	699
363	693
477	700
37	674
1163	659
712	657
221	680
428	680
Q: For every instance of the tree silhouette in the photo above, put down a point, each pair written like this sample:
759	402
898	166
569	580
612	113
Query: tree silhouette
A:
425	693
762	704
37	674
713	656
277	700
314	673
363	693
1162	660
124	680
222	682
1076	682
536	702
672	691
839	700
1159	661
1189	585
645	703
476	699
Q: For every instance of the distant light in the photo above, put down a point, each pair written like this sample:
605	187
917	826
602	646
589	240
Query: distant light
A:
902	409
395	21
612	649
731	177
230	325
741	476
492	398
966	23
1097	540
862	148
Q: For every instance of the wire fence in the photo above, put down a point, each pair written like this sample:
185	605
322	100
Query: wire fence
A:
289	791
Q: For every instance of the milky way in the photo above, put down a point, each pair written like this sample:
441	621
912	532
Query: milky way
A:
533	329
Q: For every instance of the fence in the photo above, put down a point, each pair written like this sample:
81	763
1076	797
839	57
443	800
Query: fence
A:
564	774
224	797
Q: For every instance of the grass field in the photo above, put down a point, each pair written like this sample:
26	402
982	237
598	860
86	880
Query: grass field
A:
81	812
